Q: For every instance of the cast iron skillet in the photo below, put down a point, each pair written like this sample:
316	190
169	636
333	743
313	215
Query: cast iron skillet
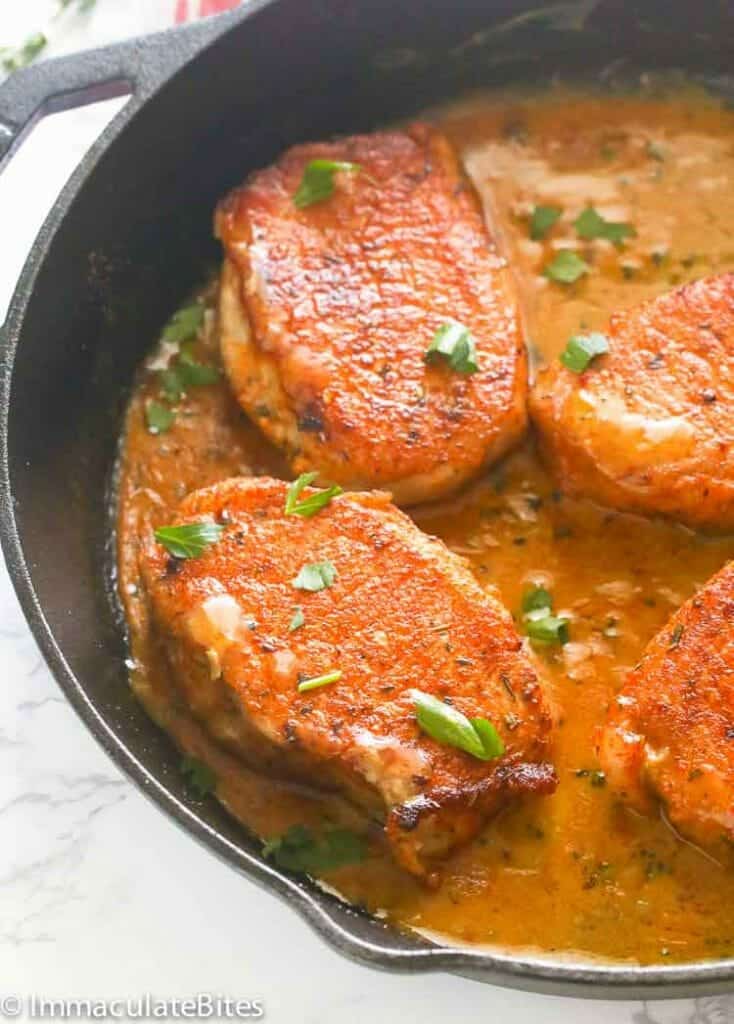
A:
131	234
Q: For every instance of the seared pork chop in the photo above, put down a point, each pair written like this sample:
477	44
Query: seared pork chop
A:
327	313
649	427
385	609
671	729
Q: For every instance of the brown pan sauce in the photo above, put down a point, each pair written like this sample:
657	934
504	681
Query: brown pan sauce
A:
577	872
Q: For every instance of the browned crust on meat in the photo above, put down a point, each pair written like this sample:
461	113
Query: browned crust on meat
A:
404	612
327	312
650	427
671	729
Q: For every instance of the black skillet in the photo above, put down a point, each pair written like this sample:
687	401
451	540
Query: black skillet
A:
131	234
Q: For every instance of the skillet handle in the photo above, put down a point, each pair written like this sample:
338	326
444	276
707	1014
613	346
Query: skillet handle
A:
138	66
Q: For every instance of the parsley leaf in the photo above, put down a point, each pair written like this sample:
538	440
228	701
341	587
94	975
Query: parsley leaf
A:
541	625
184	374
566	267
582	349
318	183
314	502
590	224
547	630
445	724
171	384
199	776
184	323
158	417
300	849
298	619
542	220
453	343
316	681
315	576
190	540
193	373
535	599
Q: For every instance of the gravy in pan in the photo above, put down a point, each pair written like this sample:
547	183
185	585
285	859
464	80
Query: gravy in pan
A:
576	872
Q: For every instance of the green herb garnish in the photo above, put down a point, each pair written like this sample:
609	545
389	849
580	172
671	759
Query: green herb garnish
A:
297	620
184	323
566	267
535	599
314	502
158	417
191	372
315	576
316	681
453	343
542	220
590	224
184	374
547	630
185	371
475	736
199	776
582	349
318	183
171	384
188	541
541	625
300	849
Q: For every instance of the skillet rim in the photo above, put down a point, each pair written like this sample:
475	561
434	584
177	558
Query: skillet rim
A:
535	973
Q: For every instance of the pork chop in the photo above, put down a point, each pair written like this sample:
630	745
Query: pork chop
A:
670	731
327	314
257	614
649	427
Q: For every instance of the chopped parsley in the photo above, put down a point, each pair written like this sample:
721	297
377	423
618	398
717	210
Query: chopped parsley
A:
590	224
548	629
171	384
301	849
184	323
566	267
298	619
191	373
455	345
541	625
185	371
314	502
190	540
158	417
199	776
318	182
315	576
317	681
536	598
475	736
542	220
582	349
184	374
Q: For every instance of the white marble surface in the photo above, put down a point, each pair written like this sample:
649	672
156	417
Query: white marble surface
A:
102	896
